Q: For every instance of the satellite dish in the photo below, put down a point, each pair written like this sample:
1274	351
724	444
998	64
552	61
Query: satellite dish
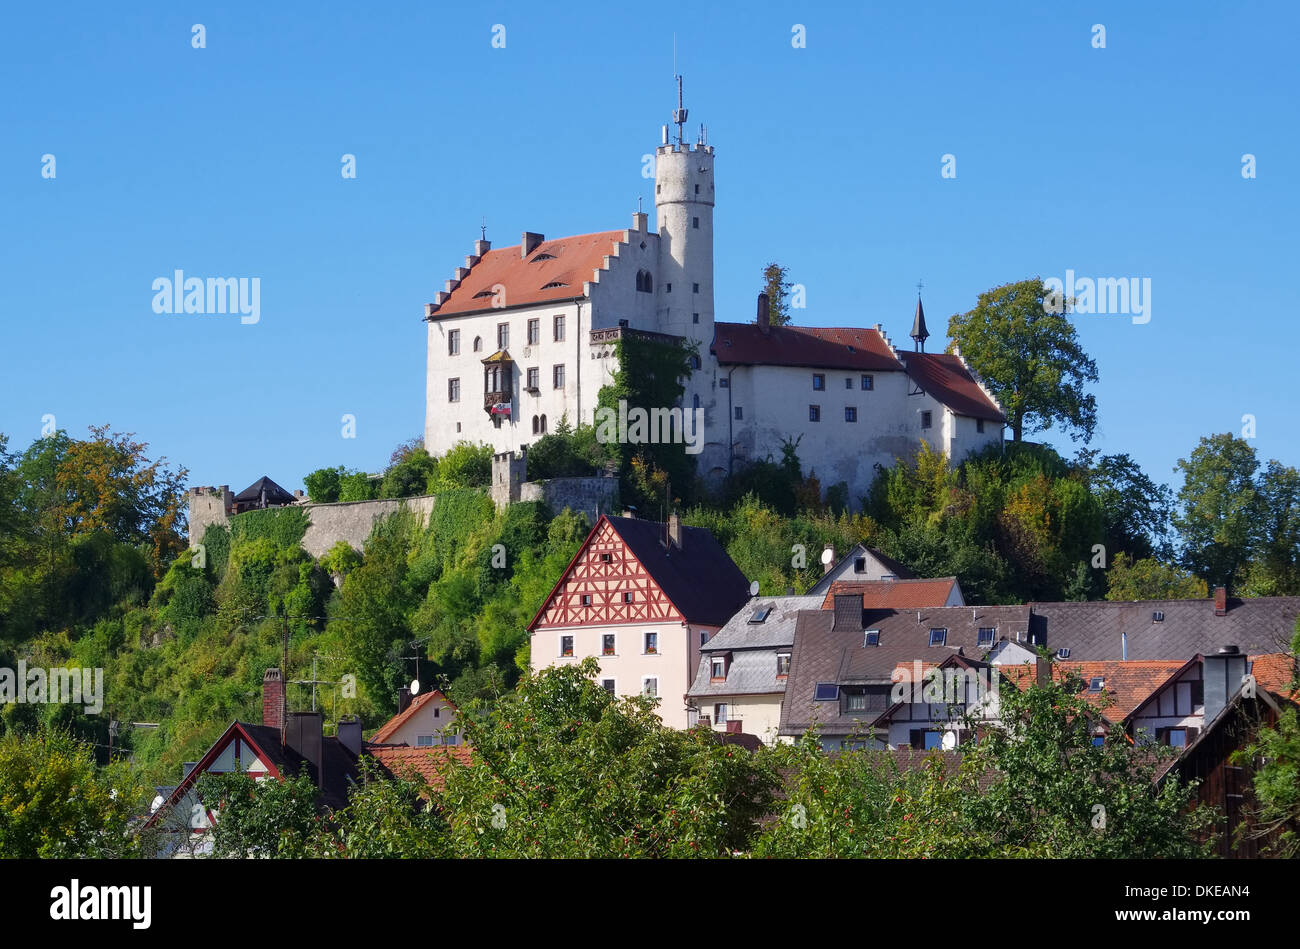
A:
753	588
415	686
827	556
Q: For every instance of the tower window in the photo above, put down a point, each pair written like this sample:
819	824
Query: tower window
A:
453	390
697	191
695	222
695	317
658	188
668	288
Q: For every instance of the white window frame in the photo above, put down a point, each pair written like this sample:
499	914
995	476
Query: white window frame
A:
655	680
573	653
645	643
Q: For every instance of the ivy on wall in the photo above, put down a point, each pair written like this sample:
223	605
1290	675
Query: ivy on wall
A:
285	526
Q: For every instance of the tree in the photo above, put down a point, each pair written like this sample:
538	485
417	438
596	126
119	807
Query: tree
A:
1219	508
776	286
262	818
1151	579
1030	358
1275	566
1135	509
323	484
55	802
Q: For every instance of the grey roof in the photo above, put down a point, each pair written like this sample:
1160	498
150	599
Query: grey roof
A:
753	647
1092	630
824	654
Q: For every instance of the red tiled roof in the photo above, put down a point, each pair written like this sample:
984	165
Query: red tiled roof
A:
1276	672
894	594
389	727
575	260
429	763
947	380
813	346
1125	684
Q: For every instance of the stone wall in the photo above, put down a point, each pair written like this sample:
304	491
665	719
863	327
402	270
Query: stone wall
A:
593	496
353	521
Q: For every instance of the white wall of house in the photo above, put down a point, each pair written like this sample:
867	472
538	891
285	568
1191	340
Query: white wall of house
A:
434	723
758	714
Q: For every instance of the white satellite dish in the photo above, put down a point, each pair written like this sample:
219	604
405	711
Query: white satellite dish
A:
415	686
827	556
753	588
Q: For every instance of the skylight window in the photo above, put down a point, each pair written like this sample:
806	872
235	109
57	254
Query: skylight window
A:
543	256
986	635
553	285
938	636
872	638
1157	616
483	293
1096	684
1063	653
761	615
826	692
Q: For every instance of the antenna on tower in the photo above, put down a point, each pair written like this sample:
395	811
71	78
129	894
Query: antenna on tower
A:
679	116
482	228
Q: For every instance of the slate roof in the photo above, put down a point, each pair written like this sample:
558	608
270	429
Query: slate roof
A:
945	378
754	647
893	594
387	730
274	493
898	569
822	654
533	279
699	578
1092	630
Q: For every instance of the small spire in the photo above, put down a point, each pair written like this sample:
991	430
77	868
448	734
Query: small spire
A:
919	333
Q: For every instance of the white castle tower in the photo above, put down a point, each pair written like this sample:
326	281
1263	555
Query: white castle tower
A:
684	201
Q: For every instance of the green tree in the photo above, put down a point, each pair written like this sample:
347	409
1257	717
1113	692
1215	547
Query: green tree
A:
777	288
1151	579
389	817
276	819
323	484
1030	358
1275	565
1219	508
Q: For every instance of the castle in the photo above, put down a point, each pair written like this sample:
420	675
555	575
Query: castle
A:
536	323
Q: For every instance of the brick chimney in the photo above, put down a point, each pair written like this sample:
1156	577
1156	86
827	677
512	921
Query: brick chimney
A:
764	316
529	243
273	698
403	699
675	531
1223	673
1220	601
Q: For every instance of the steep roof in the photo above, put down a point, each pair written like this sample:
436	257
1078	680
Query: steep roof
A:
893	594
944	378
857	348
776	629
1095	629
555	270
390	727
274	493
1125	685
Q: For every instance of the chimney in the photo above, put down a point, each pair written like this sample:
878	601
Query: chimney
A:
304	736
764	317
273	698
481	248
629	512
828	562
403	699
675	531
1220	601
1223	673
640	221
349	733
848	612
1042	671
529	242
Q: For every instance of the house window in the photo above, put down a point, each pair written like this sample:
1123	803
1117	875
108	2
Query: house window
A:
860	565
437	713
850	413
629	597
938	636
453	342
650	686
704	636
720	713
503	335
855	702
868	383
652	644
979	425
586	599
1098	741
453	390
607	644
423	740
932	740
761	614
644	282
926	419
695	222
606	558
557	375
695	317
848	382
695	362
451	739
566	645
718	668
740	413
782	664
559	328
607	685
724	383
819	381
871	638
478	344
534	379
986	635
534	332
1176	738
814	413
826	692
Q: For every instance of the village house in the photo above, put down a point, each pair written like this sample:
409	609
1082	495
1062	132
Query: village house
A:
861	563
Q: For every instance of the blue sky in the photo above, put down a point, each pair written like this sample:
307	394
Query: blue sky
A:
225	161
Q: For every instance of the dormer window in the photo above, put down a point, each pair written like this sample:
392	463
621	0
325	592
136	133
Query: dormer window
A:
1063	653
554	285
543	256
718	667
483	293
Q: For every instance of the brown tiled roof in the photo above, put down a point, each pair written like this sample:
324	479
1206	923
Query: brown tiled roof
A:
1277	673
429	763
389	727
945	378
1126	685
575	261
893	594
856	348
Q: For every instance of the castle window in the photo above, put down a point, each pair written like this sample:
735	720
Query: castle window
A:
695	288
740	413
534	332
695	362
979	425
533	380
542	429
697	191
927	420
819	382
478	344
484	293
559	328
724	383
695	317
644	282
814	413
553	285
557	376
503	336
668	288
453	390
868	383
848	382
458	428
453	343
695	222
850	413
534	424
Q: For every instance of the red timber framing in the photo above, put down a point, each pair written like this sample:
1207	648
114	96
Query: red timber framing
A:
244	746
604	569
